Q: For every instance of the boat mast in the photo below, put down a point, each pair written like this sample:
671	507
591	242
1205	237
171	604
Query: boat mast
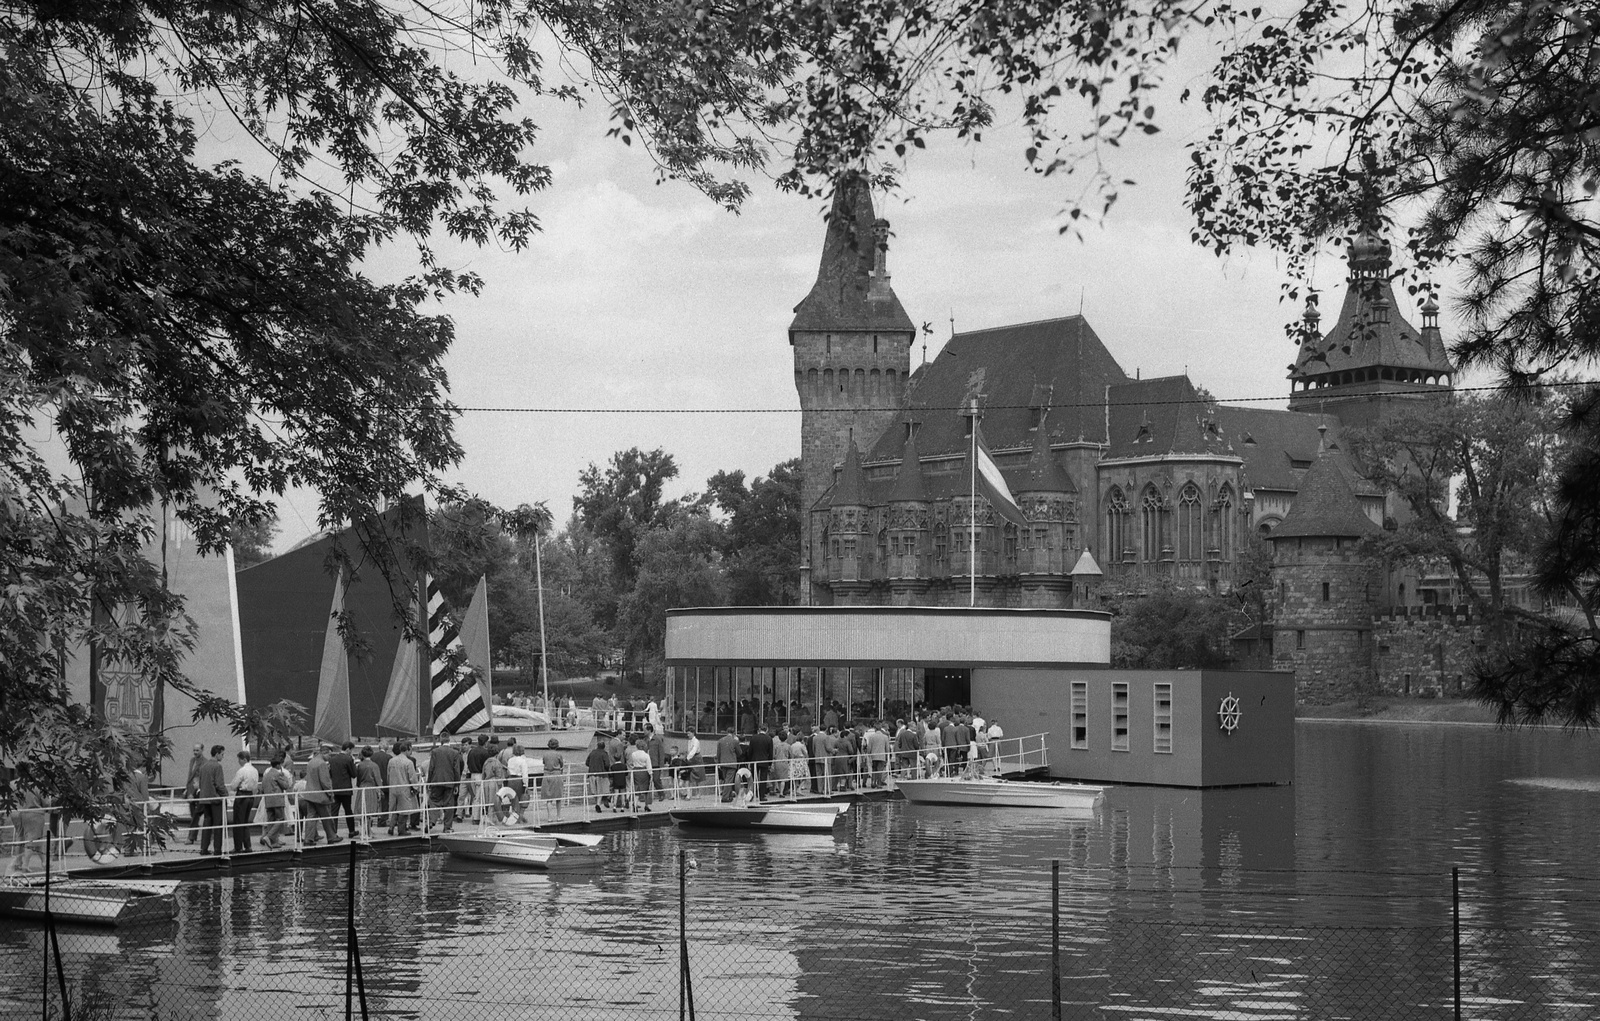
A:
972	514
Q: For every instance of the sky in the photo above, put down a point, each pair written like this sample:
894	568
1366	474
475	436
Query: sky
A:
659	319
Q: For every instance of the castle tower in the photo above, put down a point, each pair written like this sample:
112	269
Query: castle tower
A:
909	525
1326	585
852	352
1045	545
1373	359
846	543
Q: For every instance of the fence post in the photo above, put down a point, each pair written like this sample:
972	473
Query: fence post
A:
685	982
1055	939
353	981
1455	918
52	942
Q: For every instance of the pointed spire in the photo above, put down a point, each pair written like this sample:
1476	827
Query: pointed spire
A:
852	290
851	489
1043	473
1086	566
908	486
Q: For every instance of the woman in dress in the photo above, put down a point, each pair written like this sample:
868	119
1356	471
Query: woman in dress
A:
780	765
799	772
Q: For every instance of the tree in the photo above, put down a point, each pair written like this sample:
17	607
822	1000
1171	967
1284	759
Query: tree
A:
622	502
1495	452
677	565
763	534
1167	629
252	540
1550	672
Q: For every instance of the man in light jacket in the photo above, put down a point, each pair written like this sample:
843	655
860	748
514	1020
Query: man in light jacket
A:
316	801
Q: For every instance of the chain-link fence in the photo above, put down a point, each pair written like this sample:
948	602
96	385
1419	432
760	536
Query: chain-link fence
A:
368	940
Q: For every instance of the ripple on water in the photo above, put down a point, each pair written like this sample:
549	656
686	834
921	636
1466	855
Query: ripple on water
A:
1559	783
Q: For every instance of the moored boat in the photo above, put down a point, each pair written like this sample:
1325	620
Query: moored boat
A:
998	792
526	848
791	818
90	901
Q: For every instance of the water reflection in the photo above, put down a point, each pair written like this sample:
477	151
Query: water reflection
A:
1328	898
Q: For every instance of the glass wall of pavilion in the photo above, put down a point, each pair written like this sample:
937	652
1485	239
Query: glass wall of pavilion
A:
709	699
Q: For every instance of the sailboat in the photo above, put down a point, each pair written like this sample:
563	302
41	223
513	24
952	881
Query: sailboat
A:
332	720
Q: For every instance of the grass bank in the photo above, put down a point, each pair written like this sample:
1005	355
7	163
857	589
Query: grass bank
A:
1400	710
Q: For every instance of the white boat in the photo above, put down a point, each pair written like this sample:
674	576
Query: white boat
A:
530	849
793	818
90	901
995	791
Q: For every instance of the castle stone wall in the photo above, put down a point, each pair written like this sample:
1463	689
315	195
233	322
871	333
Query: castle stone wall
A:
1425	648
1326	641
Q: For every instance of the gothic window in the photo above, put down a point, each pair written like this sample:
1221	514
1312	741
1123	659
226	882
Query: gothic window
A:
883	544
1116	525
1009	542
1155	527
1226	522
1191	545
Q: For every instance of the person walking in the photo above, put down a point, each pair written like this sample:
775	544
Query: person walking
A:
598	766
761	760
403	780
380	758
907	743
368	783
342	771
246	784
316	801
553	788
191	791
275	785
877	751
656	745
211	791
444	781
727	762
640	768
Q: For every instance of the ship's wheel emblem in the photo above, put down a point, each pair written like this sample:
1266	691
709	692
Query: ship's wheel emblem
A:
1228	714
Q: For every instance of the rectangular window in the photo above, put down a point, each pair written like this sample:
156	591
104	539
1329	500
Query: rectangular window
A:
1324	591
1299	639
1119	714
1163	720
1080	714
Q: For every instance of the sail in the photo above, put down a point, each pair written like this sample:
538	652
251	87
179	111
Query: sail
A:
332	720
458	702
475	639
402	703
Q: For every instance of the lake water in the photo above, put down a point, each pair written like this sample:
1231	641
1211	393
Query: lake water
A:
1331	898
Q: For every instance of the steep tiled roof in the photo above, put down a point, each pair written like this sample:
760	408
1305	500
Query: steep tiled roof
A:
1277	446
1326	504
1165	415
1371	331
841	298
1014	367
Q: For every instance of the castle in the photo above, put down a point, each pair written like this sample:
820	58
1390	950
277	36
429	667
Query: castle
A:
1133	482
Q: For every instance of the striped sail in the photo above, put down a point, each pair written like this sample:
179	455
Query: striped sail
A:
457	699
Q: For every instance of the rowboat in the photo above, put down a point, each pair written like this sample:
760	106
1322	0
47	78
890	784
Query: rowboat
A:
792	818
997	792
91	901
527	849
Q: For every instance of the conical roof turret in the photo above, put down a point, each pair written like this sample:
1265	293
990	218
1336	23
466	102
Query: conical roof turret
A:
1326	505
851	489
1043	473
908	484
852	290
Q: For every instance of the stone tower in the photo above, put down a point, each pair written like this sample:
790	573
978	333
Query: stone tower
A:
1326	585
852	353
1047	544
1372	360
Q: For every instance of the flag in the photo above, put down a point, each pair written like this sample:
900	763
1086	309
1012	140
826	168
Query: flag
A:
992	485
457	700
332	720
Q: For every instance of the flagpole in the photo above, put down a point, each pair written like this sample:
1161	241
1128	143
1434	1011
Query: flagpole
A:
972	515
544	658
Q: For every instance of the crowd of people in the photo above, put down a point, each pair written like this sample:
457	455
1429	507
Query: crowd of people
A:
397	788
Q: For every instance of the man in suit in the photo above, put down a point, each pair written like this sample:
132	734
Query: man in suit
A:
380	757
342	770
727	761
191	790
316	801
211	789
444	780
761	758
